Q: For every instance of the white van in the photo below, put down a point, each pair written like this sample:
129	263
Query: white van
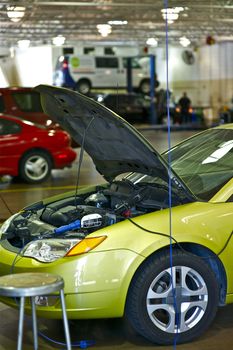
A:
85	72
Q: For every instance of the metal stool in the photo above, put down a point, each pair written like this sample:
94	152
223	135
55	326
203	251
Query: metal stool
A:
23	285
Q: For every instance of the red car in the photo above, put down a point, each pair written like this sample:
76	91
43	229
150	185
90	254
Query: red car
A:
31	150
24	102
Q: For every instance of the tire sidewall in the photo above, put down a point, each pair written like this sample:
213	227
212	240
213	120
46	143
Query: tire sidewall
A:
142	284
85	83
22	173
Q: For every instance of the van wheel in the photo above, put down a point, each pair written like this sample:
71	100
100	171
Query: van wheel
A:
145	86
83	86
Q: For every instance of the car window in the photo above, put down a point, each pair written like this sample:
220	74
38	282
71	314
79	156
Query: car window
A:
8	127
204	162
2	106
106	62
28	101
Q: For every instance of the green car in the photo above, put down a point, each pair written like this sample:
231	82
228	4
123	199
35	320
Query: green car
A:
153	243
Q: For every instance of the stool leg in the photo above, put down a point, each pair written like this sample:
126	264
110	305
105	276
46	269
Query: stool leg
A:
65	320
21	319
34	323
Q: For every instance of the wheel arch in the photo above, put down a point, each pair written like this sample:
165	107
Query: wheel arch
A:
35	149
83	79
201	251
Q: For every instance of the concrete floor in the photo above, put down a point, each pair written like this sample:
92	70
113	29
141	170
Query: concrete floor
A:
107	334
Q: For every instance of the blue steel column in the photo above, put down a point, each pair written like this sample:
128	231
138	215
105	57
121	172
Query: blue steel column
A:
129	75
153	115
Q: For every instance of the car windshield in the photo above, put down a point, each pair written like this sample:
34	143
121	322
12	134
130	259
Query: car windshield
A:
204	162
177	189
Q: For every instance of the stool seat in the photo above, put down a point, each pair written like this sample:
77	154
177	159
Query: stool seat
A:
30	284
21	285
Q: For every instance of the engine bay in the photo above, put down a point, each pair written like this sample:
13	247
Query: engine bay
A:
78	215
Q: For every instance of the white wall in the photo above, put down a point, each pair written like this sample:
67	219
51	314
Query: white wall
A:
209	81
34	66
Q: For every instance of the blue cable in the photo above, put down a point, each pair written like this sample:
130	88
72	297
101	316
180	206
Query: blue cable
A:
177	321
83	344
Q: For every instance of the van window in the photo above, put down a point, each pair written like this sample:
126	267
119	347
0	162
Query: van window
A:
109	51
134	62
68	50
106	62
28	101
88	50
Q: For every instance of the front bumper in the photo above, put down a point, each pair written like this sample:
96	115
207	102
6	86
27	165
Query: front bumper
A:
96	283
64	158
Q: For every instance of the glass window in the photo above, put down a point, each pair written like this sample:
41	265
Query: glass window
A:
89	50
109	51
8	127
28	101
68	50
134	62
106	62
2	106
205	161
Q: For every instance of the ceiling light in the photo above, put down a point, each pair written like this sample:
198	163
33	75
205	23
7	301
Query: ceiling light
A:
117	22
178	9
15	13
152	42
184	41
171	13
23	44
170	16
104	29
58	40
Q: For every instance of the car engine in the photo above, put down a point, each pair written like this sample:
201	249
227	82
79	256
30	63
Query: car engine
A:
79	215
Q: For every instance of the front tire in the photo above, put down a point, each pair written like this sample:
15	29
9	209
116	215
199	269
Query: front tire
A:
35	167
83	86
144	87
167	304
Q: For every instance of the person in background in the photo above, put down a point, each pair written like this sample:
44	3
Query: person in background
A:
184	104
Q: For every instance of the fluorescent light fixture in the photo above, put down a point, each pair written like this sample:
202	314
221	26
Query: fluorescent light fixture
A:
117	22
178	9
184	41
23	44
152	42
58	40
171	14
104	29
15	13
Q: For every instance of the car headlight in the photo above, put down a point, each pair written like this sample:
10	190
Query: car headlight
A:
49	250
6	224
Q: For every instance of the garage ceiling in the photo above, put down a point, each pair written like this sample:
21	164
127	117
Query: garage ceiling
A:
77	21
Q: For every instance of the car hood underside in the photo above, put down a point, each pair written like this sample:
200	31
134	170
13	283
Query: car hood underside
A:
115	146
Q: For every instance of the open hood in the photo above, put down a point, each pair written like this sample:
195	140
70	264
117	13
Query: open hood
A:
114	145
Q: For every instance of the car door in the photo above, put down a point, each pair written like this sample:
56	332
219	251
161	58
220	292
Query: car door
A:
9	146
